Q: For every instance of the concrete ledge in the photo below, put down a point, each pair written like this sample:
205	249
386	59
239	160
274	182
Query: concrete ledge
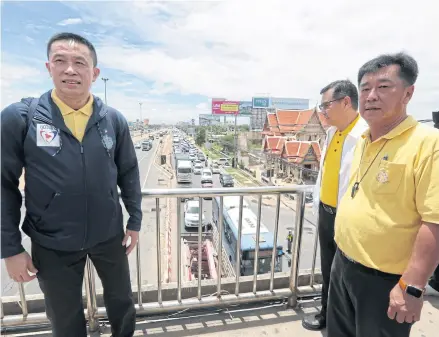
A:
35	303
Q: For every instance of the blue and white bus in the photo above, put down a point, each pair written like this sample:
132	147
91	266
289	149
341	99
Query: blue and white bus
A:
248	237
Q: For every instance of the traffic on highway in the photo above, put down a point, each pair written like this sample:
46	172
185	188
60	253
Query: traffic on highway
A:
193	169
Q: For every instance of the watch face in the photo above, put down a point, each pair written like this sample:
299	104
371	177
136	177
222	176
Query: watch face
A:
414	291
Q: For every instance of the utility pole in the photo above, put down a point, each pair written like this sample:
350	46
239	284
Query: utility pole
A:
235	156
105	84
140	113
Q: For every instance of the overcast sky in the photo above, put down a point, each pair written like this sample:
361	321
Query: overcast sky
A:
174	56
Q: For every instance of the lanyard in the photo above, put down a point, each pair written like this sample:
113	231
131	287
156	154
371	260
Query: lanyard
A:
356	186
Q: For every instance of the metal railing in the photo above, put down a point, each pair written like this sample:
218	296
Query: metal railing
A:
94	313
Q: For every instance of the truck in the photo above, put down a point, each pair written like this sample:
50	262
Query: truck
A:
184	171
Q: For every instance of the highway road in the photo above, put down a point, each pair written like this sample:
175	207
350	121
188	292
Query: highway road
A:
149	175
287	217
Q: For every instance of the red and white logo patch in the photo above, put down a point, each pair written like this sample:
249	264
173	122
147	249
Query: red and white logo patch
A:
47	135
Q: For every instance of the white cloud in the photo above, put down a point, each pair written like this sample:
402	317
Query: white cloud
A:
70	21
235	49
202	106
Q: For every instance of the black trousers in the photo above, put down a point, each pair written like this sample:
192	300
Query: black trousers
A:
60	275
327	250
434	281
358	302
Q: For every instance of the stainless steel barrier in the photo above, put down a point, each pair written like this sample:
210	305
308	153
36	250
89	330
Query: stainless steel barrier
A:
93	312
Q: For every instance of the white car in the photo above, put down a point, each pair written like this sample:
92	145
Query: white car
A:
206	176
215	169
192	157
198	168
191	214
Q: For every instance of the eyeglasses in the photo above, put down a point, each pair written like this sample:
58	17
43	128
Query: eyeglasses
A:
325	105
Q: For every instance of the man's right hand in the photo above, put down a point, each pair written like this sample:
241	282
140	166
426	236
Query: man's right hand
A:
19	266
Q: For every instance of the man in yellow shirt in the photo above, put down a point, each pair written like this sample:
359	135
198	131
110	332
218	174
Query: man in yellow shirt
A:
387	224
339	106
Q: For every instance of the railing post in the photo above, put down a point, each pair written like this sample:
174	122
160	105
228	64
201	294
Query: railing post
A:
139	275
275	236
23	300
200	246
179	250
159	251
90	291
220	246
238	246
258	237
314	256
298	230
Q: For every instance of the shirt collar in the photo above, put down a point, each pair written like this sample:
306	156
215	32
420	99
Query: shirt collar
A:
87	109
402	127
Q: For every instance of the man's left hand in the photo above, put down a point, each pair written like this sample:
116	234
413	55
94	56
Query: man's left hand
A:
134	237
404	307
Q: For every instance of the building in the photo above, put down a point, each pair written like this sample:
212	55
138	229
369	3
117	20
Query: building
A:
292	144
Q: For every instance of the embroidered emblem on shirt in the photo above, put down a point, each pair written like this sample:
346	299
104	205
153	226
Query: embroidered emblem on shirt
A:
382	176
47	135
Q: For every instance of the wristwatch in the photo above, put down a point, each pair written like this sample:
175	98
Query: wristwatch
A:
411	290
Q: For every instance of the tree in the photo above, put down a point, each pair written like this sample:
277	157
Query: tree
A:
200	137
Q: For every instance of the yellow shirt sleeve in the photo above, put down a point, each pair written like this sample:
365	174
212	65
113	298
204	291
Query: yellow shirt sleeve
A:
427	186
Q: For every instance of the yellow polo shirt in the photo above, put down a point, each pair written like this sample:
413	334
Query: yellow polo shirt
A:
75	120
379	225
331	166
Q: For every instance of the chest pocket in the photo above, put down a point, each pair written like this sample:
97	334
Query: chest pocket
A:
389	177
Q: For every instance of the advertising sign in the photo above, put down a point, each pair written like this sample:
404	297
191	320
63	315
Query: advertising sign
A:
245	108
261	102
225	107
290	103
208	119
280	103
146	121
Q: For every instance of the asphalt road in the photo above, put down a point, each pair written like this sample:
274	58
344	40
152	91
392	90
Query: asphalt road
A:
287	217
149	175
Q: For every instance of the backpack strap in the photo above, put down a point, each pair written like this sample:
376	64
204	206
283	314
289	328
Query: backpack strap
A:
30	113
32	108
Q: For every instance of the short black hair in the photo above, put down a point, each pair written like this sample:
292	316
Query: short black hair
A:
343	88
78	39
408	67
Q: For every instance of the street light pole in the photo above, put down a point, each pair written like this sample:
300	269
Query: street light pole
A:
140	105
105	84
236	141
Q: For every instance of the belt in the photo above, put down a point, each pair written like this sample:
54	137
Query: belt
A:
329	209
365	269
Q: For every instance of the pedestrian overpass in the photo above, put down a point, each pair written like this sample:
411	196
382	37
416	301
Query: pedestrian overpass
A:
258	305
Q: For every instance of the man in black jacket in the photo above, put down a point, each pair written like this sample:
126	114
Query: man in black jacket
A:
75	152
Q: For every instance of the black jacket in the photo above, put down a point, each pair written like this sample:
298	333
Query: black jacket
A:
71	194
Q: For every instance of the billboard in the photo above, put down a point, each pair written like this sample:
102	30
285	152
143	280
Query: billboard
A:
146	121
225	107
245	108
261	102
290	103
280	103
208	119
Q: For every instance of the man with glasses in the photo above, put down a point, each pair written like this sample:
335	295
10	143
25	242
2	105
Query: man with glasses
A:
339	106
387	225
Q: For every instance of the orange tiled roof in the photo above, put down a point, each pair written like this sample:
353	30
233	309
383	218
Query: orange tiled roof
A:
273	144
287	121
295	151
293	120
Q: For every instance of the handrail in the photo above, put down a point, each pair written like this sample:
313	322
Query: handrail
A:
93	312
